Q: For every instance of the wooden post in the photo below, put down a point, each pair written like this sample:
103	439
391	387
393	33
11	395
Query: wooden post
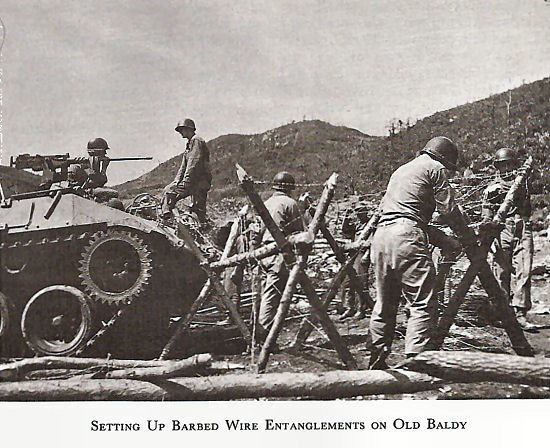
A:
185	321
325	385
466	367
216	282
318	218
282	311
355	283
326	323
233	234
479	267
306	326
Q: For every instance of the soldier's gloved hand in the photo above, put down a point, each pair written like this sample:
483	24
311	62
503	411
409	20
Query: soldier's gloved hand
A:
490	228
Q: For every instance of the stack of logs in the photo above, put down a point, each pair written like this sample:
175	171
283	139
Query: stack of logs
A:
37	379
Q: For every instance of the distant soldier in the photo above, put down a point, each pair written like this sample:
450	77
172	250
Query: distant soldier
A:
193	177
513	249
287	215
355	218
400	254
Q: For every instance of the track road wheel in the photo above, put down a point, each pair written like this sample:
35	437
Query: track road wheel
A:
115	267
57	321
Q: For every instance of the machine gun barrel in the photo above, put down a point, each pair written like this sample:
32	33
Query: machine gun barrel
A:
124	159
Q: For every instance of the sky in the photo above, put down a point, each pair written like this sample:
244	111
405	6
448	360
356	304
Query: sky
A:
129	70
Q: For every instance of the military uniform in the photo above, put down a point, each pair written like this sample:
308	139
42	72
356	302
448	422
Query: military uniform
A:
513	248
288	217
400	254
354	219
193	178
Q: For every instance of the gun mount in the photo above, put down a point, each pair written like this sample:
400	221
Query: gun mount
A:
55	168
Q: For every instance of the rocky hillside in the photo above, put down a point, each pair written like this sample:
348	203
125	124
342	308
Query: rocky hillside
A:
311	150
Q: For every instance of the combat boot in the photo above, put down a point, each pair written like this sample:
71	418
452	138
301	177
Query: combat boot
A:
521	317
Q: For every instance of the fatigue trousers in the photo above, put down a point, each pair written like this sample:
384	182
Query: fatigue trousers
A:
513	259
273	285
174	193
348	296
402	265
233	277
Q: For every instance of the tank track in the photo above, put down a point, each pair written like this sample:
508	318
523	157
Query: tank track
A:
83	236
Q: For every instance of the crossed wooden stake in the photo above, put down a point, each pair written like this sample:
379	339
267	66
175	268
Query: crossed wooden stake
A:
479	267
302	244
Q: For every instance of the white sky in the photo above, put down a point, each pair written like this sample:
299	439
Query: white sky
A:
128	70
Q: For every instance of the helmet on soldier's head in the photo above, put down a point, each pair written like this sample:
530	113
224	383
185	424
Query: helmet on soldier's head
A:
187	123
443	150
98	143
283	181
505	155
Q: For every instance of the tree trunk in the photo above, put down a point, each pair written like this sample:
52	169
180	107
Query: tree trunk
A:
477	366
329	385
186	367
17	370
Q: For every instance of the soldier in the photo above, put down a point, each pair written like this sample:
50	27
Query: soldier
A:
287	215
399	250
513	249
193	177
355	218
98	162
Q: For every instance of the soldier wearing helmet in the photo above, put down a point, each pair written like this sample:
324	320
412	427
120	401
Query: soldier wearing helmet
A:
97	163
193	177
513	249
399	250
287	215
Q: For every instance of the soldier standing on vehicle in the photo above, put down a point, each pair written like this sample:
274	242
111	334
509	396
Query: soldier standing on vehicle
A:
287	215
399	251
193	177
513	248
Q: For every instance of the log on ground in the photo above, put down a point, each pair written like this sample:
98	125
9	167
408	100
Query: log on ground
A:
464	366
17	370
329	385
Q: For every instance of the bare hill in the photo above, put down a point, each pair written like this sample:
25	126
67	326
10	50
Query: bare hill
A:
313	149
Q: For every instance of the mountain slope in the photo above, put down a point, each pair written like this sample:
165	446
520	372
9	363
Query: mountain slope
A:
313	149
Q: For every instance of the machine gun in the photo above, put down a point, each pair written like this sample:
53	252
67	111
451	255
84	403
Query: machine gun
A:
55	167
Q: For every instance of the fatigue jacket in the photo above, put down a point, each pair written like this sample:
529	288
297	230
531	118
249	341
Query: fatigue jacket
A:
285	212
194	171
415	190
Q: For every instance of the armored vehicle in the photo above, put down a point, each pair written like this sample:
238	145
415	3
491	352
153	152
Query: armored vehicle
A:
80	277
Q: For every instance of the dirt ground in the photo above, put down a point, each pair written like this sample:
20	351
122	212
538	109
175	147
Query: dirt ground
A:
472	332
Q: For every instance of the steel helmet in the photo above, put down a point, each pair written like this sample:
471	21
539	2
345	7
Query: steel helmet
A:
186	123
98	143
505	155
443	150
283	181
